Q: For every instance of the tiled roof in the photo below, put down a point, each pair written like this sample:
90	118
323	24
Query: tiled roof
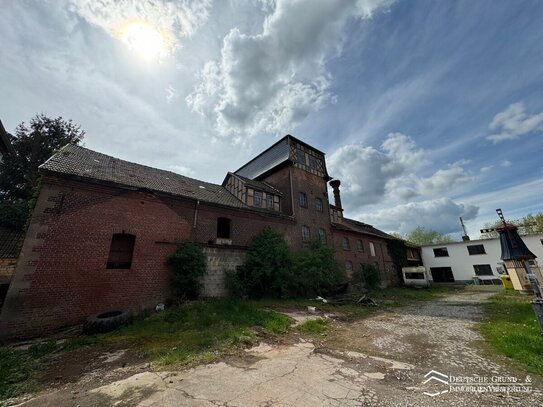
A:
360	227
9	243
83	163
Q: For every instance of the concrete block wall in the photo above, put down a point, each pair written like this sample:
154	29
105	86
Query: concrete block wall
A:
220	260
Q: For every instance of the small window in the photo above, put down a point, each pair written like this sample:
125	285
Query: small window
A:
269	201
306	233
349	265
121	251
441	252
346	244
359	245
303	200
476	249
322	235
318	204
483	270
372	249
223	228
300	157
414	276
258	198
312	162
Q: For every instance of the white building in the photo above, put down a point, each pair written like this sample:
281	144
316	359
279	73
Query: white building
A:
462	261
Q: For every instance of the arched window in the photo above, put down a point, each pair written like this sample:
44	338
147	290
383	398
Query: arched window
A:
121	251
223	228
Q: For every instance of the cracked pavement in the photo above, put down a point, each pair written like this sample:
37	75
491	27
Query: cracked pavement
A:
378	361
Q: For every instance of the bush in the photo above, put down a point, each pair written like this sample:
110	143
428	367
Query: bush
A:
371	276
266	270
271	270
188	264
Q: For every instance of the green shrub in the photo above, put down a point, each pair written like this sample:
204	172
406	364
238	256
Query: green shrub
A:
188	264
317	326
266	270
315	271
371	276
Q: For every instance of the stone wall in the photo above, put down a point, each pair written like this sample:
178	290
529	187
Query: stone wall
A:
219	260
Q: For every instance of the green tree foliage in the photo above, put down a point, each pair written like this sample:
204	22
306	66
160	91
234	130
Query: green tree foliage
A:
315	271
272	270
534	222
33	145
422	236
188	265
370	276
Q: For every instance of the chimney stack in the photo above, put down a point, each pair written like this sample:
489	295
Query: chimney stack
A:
337	198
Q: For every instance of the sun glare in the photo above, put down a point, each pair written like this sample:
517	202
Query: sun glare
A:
144	39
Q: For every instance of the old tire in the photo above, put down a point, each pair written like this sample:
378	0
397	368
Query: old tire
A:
106	321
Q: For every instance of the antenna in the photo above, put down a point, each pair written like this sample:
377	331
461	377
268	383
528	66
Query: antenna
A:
465	236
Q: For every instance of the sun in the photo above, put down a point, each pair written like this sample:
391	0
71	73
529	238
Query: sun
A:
144	39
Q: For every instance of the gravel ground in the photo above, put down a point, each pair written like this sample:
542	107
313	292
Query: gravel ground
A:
379	361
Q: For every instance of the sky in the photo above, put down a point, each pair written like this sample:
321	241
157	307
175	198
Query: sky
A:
426	110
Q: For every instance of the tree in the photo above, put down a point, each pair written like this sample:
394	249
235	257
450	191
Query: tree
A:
534	222
32	145
422	236
188	264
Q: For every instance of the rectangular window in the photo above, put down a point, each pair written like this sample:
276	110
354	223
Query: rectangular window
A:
441	252
359	245
372	249
121	251
223	228
322	235
476	249
346	244
318	204
300	157
303	199
269	201
312	162
306	233
349	265
258	199
414	276
442	274
483	270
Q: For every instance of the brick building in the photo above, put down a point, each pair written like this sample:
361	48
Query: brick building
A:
102	229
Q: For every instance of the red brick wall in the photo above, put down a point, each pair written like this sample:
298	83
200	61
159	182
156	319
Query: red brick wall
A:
62	277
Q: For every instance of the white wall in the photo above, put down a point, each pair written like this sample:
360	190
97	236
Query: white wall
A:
461	262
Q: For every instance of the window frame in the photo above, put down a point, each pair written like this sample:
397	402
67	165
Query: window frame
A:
372	249
269	199
443	249
476	246
302	200
219	228
306	237
299	155
318	204
257	196
359	245
346	244
349	265
487	267
322	235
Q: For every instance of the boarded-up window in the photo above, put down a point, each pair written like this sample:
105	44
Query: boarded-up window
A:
223	228
121	251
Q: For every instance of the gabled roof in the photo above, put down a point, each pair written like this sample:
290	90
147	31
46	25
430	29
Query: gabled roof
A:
258	185
82	163
355	226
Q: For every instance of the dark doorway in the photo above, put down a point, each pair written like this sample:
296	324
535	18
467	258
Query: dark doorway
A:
442	274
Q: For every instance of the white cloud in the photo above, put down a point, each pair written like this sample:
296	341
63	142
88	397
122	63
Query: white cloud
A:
368	174
272	80
174	19
513	122
506	163
438	214
486	169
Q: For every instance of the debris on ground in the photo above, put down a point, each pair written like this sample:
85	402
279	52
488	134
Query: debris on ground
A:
348	299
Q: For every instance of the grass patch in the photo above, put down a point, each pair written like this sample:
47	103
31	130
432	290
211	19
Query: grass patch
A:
313	327
512	329
196	331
